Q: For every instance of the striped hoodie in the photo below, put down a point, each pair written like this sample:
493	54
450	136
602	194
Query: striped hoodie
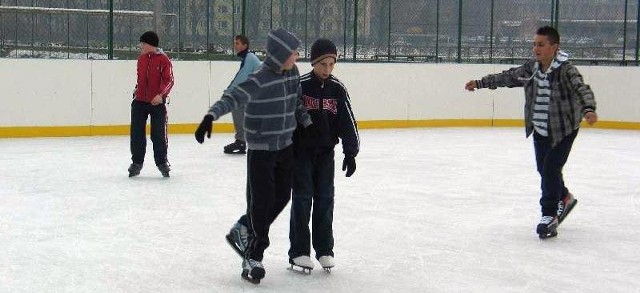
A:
570	98
271	96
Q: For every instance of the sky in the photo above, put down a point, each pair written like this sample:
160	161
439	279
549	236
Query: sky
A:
428	210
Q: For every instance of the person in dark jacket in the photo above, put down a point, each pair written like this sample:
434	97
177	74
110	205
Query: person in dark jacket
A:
328	103
154	82
557	99
272	111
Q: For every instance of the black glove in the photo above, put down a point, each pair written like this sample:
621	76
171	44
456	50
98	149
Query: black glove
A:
349	164
313	131
204	127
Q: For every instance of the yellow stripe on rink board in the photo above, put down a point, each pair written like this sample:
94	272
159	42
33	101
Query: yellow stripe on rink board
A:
189	128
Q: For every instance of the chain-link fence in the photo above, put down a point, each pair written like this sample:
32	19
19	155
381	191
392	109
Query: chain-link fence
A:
464	31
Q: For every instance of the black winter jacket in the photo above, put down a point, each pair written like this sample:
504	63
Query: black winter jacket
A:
328	103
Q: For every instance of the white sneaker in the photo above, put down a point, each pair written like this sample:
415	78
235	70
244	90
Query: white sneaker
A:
326	261
303	261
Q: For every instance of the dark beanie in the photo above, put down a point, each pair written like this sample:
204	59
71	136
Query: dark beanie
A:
323	48
150	38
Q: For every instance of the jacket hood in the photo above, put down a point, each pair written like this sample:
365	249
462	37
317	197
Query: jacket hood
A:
280	45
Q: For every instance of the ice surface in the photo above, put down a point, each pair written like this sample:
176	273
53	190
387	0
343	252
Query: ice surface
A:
428	210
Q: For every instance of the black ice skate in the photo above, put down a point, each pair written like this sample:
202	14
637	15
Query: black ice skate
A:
236	147
301	264
252	271
134	169
238	238
326	261
164	169
547	227
565	206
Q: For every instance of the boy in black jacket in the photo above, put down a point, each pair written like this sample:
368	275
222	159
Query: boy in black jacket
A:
327	101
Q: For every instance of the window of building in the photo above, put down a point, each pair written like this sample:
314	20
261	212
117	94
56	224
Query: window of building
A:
223	9
223	24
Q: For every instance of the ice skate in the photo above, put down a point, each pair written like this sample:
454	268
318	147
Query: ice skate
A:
252	271
236	147
547	227
134	169
565	205
164	169
326	261
238	238
301	264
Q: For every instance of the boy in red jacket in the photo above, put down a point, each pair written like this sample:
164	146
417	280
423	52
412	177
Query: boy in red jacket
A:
155	79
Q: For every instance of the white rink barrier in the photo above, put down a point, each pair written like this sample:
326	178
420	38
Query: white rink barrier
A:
44	97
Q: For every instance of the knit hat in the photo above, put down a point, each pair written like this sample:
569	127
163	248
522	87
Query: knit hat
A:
150	38
321	49
280	45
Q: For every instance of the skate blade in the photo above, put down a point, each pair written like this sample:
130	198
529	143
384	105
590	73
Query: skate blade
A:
246	277
235	152
548	235
300	270
233	245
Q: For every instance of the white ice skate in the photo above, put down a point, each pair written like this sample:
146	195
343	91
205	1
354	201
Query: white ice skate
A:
301	264
326	261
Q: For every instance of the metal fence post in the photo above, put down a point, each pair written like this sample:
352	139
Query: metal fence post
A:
355	28
637	32
459	58
244	17
624	33
389	32
491	33
344	30
110	30
438	29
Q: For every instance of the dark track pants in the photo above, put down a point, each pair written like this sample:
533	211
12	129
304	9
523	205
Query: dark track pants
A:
312	187
550	162
138	143
270	174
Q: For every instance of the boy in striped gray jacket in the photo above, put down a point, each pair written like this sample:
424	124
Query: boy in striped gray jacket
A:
557	99
273	109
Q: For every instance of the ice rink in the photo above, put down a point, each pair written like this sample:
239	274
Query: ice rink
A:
428	210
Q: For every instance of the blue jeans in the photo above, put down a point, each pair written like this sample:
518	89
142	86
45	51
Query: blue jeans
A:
312	186
550	162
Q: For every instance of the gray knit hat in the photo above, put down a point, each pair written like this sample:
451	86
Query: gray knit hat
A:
280	45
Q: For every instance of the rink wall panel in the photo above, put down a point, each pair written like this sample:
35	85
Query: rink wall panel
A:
84	97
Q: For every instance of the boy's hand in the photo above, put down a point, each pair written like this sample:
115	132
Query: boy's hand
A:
471	85
157	100
591	117
349	164
204	127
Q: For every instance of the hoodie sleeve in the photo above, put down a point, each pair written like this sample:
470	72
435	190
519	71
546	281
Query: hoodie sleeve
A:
166	83
348	127
301	111
513	77
237	96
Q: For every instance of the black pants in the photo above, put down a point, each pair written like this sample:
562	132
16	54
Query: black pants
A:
138	143
270	174
312	186
550	162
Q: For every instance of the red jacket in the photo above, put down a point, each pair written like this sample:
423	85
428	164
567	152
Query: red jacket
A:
155	76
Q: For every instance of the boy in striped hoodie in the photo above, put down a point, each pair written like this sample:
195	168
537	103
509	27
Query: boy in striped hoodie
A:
273	109
557	99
